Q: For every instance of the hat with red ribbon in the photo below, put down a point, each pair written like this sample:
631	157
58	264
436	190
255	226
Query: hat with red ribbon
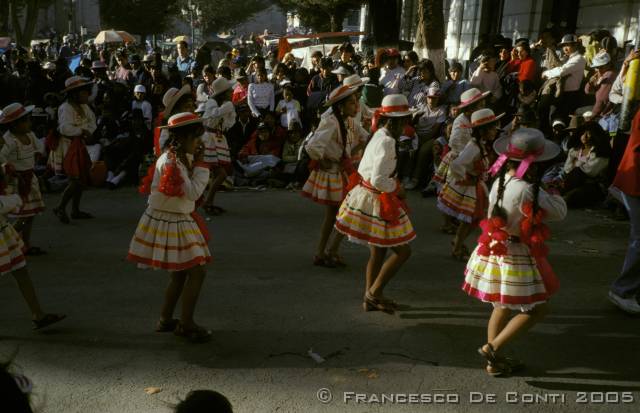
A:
340	93
393	106
75	82
484	117
14	112
182	119
471	96
526	145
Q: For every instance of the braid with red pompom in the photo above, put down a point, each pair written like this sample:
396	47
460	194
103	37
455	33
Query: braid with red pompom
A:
493	238
171	181
533	232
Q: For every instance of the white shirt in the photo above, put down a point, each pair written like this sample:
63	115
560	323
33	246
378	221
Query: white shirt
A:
21	156
460	133
487	81
261	96
391	79
572	70
193	186
378	163
71	124
145	107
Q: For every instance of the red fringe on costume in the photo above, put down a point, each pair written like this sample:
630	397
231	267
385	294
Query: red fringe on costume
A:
534	233
171	180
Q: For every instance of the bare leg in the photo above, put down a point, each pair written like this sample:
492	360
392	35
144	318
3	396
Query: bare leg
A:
376	259
172	294
497	322
28	292
24	226
330	212
389	269
69	192
334	246
464	229
218	177
519	324
75	202
192	287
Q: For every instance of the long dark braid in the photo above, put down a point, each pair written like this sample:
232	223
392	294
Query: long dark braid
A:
336	107
498	210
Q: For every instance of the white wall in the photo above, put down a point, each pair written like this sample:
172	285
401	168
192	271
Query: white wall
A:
462	28
620	17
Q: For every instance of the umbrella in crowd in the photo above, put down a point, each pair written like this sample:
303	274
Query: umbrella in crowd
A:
126	36
108	36
181	38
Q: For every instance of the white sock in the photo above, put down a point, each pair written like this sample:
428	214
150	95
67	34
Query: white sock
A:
118	178
109	176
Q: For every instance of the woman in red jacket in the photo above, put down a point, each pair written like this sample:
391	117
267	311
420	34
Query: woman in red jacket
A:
528	69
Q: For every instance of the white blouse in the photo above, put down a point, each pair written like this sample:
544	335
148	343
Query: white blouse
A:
193	187
590	164
71	124
21	156
261	96
326	142
460	133
378	165
517	192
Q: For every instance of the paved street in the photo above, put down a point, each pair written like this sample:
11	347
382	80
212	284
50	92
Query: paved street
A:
268	306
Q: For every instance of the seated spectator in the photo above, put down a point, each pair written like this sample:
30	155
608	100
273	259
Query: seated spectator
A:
291	155
204	90
261	154
586	167
123	154
600	84
527	69
289	108
241	90
261	95
486	79
321	85
527	94
416	87
242	130
455	85
372	93
204	401
140	102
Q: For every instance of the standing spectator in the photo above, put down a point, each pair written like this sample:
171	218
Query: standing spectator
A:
572	71
141	75
486	79
316	59
321	85
205	90
528	69
184	61
140	102
260	96
241	90
392	73
347	53
600	84
289	108
124	73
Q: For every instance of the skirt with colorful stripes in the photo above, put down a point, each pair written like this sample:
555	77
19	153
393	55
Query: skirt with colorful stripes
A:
511	281
440	175
168	241
464	201
11	247
32	203
360	220
327	188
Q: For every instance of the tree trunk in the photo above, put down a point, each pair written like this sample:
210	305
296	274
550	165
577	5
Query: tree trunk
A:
15	21
24	34
4	18
430	35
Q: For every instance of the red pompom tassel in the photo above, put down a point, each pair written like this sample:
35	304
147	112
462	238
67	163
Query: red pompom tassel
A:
484	250
145	185
484	239
500	235
171	181
390	207
354	179
499	249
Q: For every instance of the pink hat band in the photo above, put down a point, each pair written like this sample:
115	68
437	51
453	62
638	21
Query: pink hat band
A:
527	158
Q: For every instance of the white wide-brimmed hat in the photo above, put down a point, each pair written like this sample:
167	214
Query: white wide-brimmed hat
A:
395	106
341	70
526	145
75	82
568	39
355	81
172	96
182	119
221	85
13	112
340	93
601	59
484	117
471	96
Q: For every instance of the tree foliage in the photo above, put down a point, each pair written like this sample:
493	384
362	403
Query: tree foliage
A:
142	17
321	15
218	15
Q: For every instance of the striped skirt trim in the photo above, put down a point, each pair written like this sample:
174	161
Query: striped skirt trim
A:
33	204
326	188
11	247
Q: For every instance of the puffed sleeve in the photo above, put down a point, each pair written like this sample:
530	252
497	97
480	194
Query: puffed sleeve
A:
384	165
66	121
463	164
195	185
317	144
9	203
553	205
8	151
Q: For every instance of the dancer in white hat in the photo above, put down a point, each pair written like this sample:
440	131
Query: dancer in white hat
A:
373	213
509	268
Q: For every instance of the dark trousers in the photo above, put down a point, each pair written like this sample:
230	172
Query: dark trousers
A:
564	106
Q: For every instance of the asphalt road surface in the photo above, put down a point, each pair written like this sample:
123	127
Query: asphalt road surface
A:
268	306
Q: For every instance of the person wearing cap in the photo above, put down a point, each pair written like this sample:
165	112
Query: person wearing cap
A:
572	73
416	87
331	149
373	212
509	267
464	194
600	84
18	153
76	124
141	75
485	77
429	121
392	73
170	235
140	102
261	95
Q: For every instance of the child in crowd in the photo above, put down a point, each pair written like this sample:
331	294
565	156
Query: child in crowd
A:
170	235
260	154
20	148
527	94
140	102
509	267
407	147
464	193
486	79
290	154
288	108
